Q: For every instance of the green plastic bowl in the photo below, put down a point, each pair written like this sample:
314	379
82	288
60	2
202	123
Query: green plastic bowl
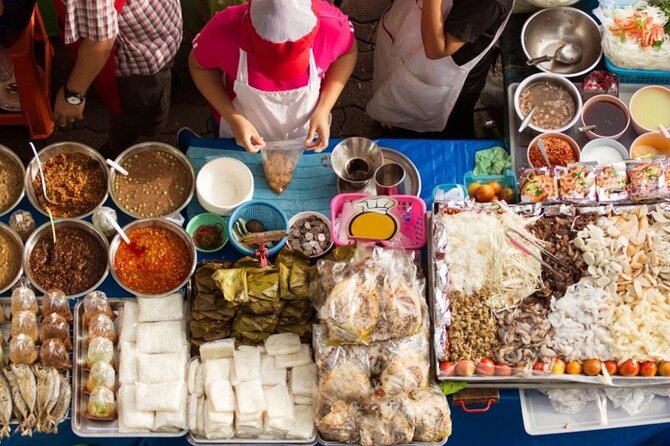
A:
208	219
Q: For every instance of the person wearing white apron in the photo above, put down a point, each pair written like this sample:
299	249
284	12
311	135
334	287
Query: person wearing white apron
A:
272	56
426	52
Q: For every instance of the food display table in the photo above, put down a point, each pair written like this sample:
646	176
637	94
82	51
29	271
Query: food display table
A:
438	162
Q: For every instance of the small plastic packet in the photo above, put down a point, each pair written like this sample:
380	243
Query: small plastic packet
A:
101	374
24	299
55	301
23	223
101	404
386	420
337	420
99	350
612	183
538	186
53	353
54	326
25	322
646	179
280	159
577	183
101	325
96	303
101	220
432	417
22	350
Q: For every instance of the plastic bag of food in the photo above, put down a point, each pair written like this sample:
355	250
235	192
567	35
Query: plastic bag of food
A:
405	363
23	223
55	301
101	374
337	420
538	186
101	220
432	417
577	183
646	179
22	350
25	322
96	303
54	326
612	182
101	404
386	421
101	325
24	299
54	354
99	350
280	159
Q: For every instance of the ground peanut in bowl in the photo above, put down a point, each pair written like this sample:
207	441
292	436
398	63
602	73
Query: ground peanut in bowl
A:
11	182
10	258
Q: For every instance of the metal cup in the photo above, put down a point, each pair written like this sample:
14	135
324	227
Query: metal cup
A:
390	179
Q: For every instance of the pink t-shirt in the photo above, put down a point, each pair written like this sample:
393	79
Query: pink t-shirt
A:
218	46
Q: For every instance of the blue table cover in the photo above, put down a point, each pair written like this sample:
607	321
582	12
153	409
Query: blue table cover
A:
439	162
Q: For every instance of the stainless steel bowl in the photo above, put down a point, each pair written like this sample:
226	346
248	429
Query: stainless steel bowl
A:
15	237
7	151
149	147
352	150
45	231
542	77
53	150
550	28
153	222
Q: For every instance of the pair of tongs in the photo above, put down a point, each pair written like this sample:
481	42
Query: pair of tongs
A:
542	249
527	251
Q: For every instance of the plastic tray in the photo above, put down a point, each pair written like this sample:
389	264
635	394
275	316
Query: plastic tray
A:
82	426
540	418
635	76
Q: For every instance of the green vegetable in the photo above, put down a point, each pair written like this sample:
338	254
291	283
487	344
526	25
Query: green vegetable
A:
451	387
493	161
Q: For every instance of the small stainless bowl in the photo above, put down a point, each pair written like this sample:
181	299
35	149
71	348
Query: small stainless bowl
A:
45	230
14	236
353	150
550	28
160	223
149	147
53	150
7	151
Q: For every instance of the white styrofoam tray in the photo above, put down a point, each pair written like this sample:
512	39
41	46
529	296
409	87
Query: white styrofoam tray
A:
540	418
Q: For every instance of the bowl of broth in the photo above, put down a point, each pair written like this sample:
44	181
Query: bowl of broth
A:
650	145
608	113
650	109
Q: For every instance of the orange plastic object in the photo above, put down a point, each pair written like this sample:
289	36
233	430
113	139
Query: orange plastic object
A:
34	88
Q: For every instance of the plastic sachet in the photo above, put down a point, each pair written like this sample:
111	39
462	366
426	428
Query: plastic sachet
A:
101	220
280	159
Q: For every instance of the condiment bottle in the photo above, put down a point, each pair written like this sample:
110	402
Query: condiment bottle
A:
23	223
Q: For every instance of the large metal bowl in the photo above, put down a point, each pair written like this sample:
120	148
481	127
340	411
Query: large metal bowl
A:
160	223
45	231
7	151
15	237
550	28
149	147
56	149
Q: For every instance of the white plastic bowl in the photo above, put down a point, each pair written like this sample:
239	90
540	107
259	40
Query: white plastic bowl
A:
223	184
590	150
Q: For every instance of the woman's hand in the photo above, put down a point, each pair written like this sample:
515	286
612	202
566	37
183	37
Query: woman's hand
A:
319	130
246	134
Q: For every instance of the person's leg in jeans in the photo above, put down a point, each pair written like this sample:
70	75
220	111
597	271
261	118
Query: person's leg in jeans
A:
145	104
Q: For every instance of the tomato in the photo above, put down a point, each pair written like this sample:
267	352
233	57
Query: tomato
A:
496	187
486	367
447	368
484	193
506	194
629	368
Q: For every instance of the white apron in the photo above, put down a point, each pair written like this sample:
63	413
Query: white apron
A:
276	115
410	90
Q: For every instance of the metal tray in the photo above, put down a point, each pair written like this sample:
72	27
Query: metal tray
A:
82	426
415	443
412	178
519	142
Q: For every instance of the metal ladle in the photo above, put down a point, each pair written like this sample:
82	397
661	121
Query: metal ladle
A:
568	53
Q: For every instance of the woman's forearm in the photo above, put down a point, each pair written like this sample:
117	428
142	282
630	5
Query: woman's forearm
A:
437	42
210	84
336	78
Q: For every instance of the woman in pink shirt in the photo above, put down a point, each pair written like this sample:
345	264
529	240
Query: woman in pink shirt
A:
272	70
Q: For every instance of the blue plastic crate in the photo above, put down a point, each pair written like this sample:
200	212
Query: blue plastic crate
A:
633	76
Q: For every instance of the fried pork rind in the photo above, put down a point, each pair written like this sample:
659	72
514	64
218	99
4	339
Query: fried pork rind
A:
338	420
432	417
386	421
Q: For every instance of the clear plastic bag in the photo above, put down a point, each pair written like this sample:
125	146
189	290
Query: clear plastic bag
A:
96	303
101	374
633	401
577	183
24	299
23	223
406	364
432	417
280	159
337	420
55	301
54	326
101	217
646	179
54	354
612	182
99	350
538	186
386	421
22	350
25	322
101	404
101	325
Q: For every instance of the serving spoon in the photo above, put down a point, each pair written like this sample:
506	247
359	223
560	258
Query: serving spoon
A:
543	151
568	53
664	131
526	121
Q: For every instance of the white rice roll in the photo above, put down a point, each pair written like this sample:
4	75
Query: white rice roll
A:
282	344
156	309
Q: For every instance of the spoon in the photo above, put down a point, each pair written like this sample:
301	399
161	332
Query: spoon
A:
114	165
526	121
543	151
586	128
44	183
568	54
664	131
118	229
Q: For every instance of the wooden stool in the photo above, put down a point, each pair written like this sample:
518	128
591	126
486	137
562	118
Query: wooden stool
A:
34	87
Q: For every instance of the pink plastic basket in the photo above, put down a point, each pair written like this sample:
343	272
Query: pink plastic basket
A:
410	212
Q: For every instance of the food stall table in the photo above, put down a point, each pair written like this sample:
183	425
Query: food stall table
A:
438	162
